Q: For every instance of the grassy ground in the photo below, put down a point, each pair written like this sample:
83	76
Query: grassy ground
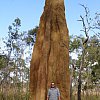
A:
92	97
22	96
14	96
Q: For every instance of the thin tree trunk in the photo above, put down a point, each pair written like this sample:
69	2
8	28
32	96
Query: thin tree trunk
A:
50	58
71	81
79	86
71	92
80	70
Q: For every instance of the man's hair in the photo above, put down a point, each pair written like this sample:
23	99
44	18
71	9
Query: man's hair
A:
52	83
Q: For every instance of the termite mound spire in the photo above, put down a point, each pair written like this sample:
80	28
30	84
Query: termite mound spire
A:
50	58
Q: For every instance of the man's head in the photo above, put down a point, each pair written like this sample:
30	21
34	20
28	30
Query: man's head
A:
52	85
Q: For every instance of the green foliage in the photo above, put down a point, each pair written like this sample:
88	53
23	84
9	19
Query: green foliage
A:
3	61
14	73
31	36
90	72
74	43
13	30
93	56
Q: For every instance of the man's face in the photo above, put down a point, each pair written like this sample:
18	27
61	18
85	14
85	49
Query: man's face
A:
52	85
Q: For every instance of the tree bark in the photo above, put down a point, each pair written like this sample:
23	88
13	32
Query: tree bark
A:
50	58
80	75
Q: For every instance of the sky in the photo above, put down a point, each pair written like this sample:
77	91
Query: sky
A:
29	11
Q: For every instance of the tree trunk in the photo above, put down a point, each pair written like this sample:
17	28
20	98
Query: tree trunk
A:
79	86
50	58
80	76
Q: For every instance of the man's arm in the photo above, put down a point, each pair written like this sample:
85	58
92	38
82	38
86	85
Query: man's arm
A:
58	97
58	93
47	98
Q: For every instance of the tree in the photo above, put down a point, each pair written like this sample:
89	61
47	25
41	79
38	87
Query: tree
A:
14	73
90	71
94	58
50	58
3	61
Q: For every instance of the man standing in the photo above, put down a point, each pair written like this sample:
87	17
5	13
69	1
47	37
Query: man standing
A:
53	93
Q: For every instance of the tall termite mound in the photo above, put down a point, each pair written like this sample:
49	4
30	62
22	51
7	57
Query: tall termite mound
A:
50	58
